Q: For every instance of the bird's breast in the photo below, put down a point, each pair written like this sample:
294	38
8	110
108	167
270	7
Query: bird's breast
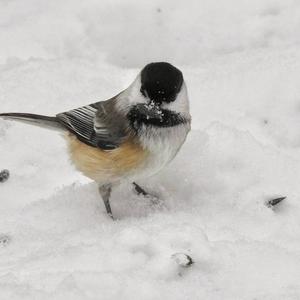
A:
162	145
106	166
136	158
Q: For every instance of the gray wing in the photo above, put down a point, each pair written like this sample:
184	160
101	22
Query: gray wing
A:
99	124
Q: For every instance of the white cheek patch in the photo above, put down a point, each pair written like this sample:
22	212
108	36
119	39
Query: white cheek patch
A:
181	103
131	96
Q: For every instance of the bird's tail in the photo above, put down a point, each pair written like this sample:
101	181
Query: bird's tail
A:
33	119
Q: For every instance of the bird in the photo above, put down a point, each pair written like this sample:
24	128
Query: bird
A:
129	137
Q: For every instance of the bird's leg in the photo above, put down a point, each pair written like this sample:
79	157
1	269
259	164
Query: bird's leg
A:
140	191
105	191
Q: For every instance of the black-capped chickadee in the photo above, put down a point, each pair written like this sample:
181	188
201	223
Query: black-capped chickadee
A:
130	136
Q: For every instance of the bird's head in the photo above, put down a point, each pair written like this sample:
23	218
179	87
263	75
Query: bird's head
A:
160	82
158	91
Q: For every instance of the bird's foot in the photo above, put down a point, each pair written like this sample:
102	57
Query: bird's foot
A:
140	191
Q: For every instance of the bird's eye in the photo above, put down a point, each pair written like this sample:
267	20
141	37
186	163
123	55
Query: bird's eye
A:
143	91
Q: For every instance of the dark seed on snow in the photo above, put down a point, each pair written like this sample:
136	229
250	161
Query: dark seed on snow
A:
273	202
4	239
4	175
182	259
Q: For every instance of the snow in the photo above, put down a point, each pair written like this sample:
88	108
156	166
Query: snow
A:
241	62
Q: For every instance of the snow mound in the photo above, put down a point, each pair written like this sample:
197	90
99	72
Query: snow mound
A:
240	60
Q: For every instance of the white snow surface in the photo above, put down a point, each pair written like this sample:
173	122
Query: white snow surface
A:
241	62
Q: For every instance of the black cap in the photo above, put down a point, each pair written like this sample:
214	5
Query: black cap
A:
161	82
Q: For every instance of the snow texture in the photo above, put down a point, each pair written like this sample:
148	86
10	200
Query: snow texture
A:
241	62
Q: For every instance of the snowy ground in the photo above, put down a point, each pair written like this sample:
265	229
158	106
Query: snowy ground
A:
241	61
